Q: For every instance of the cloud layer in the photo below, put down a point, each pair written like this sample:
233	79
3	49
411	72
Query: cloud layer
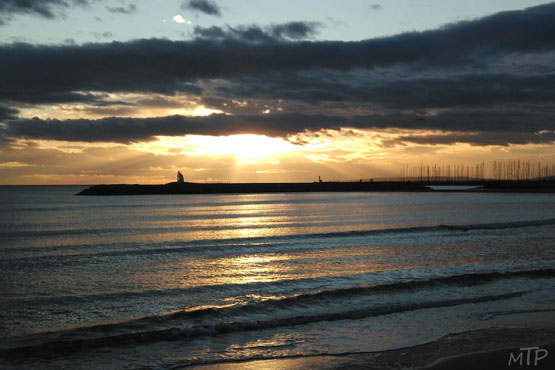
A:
130	9
478	127
44	8
170	66
484	82
256	34
203	6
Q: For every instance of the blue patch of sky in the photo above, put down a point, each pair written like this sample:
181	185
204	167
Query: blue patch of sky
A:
345	20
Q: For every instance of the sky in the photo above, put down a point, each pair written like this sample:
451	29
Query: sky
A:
131	91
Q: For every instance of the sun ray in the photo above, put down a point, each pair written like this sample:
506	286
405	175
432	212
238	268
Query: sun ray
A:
247	148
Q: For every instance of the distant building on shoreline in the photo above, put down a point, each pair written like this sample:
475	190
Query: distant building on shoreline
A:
180	178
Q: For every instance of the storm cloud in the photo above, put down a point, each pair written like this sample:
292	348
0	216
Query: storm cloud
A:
440	91
472	80
480	126
7	113
253	33
168	67
204	6
49	9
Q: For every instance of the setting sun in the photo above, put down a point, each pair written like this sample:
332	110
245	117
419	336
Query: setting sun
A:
245	148
252	147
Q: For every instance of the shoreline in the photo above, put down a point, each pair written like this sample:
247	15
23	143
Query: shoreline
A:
527	186
489	349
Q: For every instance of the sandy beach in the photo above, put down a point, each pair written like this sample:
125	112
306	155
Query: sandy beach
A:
495	348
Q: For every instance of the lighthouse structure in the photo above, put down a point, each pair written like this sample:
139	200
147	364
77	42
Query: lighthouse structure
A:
180	179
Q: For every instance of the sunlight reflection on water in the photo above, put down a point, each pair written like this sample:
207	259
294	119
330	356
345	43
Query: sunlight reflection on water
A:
267	274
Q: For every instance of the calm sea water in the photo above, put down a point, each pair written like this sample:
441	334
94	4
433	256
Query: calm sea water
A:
134	282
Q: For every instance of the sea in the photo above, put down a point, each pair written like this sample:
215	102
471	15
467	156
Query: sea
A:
170	281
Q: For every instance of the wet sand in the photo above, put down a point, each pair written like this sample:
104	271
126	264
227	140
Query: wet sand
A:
481	349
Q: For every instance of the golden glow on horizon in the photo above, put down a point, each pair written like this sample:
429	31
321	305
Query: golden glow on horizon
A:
345	154
246	148
13	164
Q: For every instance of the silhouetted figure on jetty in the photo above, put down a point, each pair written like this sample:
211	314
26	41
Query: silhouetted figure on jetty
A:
180	179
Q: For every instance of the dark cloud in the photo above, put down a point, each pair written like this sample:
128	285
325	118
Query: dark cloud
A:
464	90
7	113
487	81
442	91
295	30
49	9
278	32
477	139
478	126
54	97
204	6
30	73
213	32
130	9
376	7
63	73
240	33
126	130
44	8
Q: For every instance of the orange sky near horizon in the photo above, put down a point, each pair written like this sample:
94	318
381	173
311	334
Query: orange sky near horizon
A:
335	155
